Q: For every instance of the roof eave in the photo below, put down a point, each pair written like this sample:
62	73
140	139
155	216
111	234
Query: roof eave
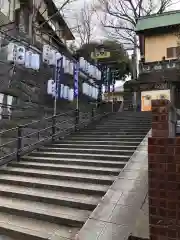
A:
140	31
60	19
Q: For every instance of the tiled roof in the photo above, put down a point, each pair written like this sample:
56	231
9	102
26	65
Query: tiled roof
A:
158	20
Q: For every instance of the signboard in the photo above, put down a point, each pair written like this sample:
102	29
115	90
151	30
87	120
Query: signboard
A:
148	96
100	55
76	79
154	86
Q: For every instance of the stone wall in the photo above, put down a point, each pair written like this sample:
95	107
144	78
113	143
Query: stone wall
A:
164	174
29	91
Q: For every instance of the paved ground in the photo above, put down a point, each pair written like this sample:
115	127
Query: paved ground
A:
5	238
123	210
141	229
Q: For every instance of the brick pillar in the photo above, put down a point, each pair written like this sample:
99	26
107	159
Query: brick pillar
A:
164	175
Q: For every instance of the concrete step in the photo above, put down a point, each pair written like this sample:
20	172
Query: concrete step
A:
129	118
60	184
92	146
120	127
116	128
23	228
70	161
120	157
85	150
53	184
70	168
121	124
59	175
125	122
74	200
44	211
104	143
120	138
113	134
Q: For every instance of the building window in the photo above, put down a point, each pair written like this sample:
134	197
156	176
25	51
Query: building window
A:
173	52
178	52
5	7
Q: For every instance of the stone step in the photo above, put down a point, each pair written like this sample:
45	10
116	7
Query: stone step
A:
113	134
104	143
92	146
61	183
124	122
85	150
74	200
24	228
53	184
120	138
59	175
118	128
70	168
70	161
121	125
43	211
121	157
129	118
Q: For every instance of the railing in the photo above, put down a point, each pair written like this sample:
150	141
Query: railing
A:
21	140
7	109
147	67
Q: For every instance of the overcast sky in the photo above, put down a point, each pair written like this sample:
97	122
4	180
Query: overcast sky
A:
98	32
78	4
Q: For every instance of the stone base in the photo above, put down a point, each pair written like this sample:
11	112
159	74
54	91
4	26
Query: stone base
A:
137	238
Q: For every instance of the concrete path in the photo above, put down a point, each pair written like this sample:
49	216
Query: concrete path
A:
116	217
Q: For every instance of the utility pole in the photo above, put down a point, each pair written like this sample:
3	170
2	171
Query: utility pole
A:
135	71
113	83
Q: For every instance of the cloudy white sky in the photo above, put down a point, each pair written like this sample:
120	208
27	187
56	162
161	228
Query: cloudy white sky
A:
78	4
98	31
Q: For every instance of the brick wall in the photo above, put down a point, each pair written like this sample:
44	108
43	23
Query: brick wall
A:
136	238
164	175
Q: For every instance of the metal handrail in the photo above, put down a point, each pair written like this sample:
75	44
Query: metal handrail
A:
54	127
8	130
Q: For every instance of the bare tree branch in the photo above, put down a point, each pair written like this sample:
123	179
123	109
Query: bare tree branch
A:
84	24
119	17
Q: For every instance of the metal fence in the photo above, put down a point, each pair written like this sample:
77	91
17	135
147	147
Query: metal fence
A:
18	141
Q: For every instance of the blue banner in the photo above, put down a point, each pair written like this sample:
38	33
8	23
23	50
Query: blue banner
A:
76	79
58	75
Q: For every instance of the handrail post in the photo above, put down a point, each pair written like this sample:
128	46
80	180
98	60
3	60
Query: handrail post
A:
76	119
53	128
19	142
92	114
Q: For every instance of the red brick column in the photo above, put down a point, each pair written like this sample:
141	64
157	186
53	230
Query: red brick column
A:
164	176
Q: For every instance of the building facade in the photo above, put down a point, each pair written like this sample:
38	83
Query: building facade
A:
116	96
37	20
159	73
29	23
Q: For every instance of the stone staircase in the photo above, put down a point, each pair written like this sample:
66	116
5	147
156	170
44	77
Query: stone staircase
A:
51	192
